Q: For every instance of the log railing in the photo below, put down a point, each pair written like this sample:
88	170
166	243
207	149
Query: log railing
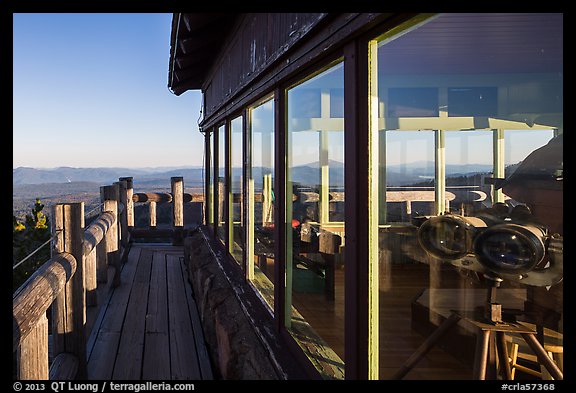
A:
85	263
178	198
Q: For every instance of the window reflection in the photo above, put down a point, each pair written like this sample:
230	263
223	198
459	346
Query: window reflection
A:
469	161
409	166
221	184
237	196
463	102
210	197
315	185
263	198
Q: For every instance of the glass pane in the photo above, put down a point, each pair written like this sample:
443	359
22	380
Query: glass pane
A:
262	201
315	184
409	166
470	189
210	196
236	188
519	143
469	161
221	182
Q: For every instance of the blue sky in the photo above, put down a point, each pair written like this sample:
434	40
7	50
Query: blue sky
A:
91	90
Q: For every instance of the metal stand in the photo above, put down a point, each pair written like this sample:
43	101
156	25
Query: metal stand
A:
490	342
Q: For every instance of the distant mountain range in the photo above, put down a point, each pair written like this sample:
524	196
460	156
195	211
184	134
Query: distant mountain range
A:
103	176
194	176
83	184
402	174
68	184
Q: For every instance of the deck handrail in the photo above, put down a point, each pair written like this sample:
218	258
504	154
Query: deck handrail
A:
164	197
83	261
66	283
37	294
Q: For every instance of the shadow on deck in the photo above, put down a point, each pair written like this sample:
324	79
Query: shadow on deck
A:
149	328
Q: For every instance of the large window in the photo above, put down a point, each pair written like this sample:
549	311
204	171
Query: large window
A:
236	218
210	190
315	194
470	158
261	202
221	182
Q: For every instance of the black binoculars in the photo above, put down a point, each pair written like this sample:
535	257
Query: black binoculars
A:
506	243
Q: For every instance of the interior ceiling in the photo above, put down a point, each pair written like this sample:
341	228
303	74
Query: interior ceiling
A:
478	43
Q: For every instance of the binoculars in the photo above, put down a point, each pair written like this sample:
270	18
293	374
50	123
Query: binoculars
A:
508	244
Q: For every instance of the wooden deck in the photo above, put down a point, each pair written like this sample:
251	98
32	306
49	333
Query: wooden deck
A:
149	327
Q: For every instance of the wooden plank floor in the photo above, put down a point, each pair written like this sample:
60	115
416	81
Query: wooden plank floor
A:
150	328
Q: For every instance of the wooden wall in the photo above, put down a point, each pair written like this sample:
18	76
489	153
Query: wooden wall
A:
255	43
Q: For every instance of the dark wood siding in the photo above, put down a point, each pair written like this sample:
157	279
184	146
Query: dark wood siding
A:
264	50
255	43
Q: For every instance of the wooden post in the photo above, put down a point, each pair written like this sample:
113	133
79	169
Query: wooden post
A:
408	211
123	221
95	255
69	309
109	197
177	185
129	202
119	216
59	304
33	353
102	254
90	279
73	238
152	211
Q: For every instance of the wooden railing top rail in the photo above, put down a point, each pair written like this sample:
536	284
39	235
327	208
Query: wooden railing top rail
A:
96	231
33	298
164	197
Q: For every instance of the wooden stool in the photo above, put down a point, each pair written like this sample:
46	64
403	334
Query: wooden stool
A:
553	345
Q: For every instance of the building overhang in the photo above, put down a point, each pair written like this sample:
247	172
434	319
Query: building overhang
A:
195	42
